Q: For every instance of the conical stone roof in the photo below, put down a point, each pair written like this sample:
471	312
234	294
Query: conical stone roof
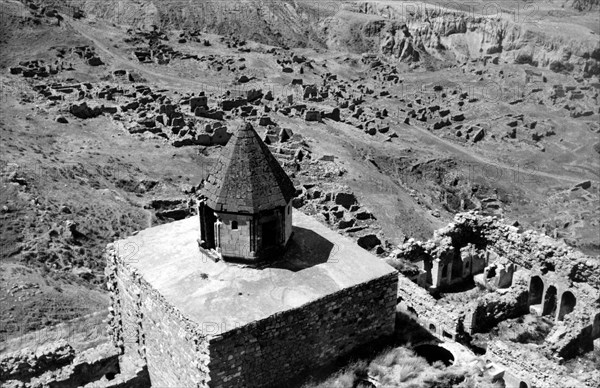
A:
247	178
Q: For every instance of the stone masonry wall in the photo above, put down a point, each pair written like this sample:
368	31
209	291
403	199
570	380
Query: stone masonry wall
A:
487	311
267	352
144	325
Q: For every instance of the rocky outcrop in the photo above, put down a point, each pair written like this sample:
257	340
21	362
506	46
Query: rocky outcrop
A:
450	34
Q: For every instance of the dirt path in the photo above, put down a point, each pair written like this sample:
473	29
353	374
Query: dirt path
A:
468	154
116	58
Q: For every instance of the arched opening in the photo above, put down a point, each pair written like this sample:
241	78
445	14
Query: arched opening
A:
596	327
428	266
234	225
457	267
411	310
433	353
567	304
536	290
270	234
550	301
432	327
523	384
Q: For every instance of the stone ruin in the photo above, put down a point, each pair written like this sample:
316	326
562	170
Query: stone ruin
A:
194	315
519	273
246	204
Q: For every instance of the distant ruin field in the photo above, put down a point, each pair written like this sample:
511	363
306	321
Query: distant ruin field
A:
389	117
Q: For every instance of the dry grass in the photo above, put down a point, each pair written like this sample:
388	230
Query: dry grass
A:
401	368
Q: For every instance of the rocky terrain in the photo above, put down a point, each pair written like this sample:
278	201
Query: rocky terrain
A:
390	117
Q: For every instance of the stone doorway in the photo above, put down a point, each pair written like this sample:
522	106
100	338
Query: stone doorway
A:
567	304
550	301
536	292
270	234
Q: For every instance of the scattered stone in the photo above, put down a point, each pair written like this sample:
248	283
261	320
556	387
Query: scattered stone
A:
83	111
368	241
478	135
312	115
345	199
584	185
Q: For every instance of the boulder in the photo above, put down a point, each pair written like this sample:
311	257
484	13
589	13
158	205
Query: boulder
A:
298	59
312	115
109	109
83	111
345	199
368	241
478	135
584	185
168	109
333	115
195	102
254	94
297	202
130	106
343	224
62	120
265	120
364	215
337	213
310	91
441	124
95	61
231	104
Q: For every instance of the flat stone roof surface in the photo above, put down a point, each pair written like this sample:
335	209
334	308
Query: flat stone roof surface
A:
317	262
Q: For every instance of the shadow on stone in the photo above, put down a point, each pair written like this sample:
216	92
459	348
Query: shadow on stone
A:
304	250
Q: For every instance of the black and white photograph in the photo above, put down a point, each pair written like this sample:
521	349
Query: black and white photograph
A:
300	193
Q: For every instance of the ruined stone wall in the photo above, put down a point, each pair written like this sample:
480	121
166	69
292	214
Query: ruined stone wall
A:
493	308
270	351
439	319
143	324
528	249
573	336
523	362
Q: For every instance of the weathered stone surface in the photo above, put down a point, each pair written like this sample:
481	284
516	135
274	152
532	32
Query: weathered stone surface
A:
234	185
368	241
312	115
83	111
200	101
345	199
273	334
28	363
